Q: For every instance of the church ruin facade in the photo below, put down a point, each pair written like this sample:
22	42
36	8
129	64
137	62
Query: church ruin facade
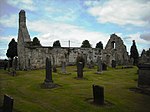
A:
33	57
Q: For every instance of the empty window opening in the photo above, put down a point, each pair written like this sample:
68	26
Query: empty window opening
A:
113	44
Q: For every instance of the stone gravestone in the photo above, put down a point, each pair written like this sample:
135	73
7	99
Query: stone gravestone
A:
131	61
113	64
144	75
54	68
99	65
79	70
63	67
91	64
14	66
48	72
5	64
104	66
48	82
7	104
98	94
8	65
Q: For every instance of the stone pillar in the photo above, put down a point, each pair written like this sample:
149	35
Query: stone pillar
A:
99	65
104	66
144	75
80	69
54	68
15	63
63	67
48	71
8	65
113	64
98	94
5	64
14	66
7	104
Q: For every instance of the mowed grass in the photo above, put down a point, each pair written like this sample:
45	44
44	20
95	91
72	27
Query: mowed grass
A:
72	94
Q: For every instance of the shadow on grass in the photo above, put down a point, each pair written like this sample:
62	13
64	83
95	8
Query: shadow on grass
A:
106	104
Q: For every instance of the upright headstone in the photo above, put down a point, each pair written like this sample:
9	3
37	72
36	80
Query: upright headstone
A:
54	68
113	64
8	65
144	75
131	61
98	94
99	65
104	66
7	104
80	70
63	67
5	64
14	66
91	64
48	71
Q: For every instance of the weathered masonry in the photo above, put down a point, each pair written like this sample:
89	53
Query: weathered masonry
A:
33	57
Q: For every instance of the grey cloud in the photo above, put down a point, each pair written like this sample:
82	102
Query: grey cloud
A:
145	36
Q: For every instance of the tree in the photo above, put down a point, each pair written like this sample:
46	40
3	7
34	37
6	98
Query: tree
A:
56	44
36	41
86	44
12	49
134	53
99	45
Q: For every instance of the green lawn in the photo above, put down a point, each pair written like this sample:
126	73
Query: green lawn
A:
72	94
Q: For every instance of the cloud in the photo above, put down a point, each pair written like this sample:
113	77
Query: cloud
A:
61	14
145	36
137	38
140	42
49	32
22	4
134	12
3	53
4	40
92	2
9	20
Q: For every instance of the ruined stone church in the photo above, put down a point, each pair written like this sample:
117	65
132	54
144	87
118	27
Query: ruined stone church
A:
33	57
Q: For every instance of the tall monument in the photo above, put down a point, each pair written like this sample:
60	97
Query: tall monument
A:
23	37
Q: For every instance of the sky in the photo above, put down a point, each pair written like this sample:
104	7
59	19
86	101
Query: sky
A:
77	20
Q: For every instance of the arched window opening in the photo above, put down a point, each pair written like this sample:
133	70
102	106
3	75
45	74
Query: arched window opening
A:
113	44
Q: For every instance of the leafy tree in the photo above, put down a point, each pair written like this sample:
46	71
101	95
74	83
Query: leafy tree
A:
148	53
99	45
134	53
86	44
12	49
36	41
56	44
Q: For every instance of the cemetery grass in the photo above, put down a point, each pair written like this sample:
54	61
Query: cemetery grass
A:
72	94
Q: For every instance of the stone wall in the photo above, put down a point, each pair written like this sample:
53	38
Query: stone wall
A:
145	56
115	50
35	56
